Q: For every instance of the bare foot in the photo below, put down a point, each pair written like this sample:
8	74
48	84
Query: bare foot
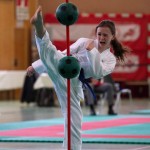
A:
37	21
37	17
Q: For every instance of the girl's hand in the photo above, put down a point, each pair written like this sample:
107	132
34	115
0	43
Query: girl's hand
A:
90	45
30	71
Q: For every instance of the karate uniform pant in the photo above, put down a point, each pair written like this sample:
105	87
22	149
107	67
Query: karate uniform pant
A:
60	85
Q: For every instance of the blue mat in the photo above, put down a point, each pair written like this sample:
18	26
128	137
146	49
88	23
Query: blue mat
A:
141	112
121	129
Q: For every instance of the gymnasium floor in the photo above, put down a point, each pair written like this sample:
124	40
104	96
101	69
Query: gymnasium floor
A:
14	111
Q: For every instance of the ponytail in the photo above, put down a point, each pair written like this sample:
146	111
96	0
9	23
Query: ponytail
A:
119	50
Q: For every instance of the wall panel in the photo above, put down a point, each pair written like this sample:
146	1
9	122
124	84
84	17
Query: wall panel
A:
101	6
7	34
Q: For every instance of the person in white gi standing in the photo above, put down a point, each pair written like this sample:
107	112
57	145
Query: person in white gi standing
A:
94	57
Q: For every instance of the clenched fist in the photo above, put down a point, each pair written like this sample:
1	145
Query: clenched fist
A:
30	71
90	45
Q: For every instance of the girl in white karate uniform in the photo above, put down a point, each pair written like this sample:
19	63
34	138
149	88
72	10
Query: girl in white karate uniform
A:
95	58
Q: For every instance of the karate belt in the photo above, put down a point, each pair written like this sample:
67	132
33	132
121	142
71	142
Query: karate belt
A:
85	83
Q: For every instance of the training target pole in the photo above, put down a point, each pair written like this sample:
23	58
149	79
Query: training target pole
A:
68	91
68	95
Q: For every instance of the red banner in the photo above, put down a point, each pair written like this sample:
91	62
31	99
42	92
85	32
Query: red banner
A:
131	31
135	67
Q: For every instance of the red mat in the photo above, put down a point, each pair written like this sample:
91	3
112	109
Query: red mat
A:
98	129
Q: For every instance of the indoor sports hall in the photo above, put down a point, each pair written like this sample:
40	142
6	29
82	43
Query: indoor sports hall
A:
35	114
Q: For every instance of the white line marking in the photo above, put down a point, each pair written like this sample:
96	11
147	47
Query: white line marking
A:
140	148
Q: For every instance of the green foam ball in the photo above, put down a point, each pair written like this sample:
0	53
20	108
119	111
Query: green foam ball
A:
67	13
69	67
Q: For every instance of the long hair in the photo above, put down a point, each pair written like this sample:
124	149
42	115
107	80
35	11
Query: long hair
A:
118	48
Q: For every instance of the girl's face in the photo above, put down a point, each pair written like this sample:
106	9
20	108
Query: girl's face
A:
104	37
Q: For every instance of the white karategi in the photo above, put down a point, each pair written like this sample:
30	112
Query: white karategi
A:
94	63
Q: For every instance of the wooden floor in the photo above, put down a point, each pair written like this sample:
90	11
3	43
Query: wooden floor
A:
14	111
